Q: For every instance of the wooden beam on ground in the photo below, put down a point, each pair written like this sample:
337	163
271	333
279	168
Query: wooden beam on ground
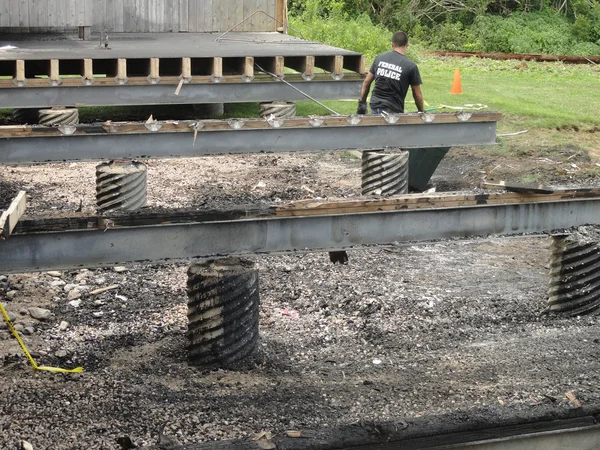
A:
301	208
518	187
426	201
10	217
523	57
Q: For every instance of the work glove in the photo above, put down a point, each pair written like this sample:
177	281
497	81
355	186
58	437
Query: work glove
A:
362	107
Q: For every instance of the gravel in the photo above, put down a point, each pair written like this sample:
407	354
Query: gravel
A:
402	332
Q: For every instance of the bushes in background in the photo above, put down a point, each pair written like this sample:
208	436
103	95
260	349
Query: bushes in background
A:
470	25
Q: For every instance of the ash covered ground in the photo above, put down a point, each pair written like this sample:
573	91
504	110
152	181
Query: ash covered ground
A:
400	334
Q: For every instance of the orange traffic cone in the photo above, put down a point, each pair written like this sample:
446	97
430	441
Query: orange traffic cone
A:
456	86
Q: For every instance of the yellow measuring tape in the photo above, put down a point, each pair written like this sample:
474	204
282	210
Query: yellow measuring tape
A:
29	357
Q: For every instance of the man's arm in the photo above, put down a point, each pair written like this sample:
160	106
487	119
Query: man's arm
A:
418	96
366	87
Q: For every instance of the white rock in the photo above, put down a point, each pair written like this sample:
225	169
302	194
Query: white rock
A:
69	287
121	297
63	325
84	274
100	280
57	283
74	294
377	362
26	445
98	314
75	303
11	294
39	313
19	327
55	274
120	269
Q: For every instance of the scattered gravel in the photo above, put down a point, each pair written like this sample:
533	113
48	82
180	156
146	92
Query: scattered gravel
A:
401	332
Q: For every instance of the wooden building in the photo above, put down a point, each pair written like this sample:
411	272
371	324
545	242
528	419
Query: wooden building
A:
140	16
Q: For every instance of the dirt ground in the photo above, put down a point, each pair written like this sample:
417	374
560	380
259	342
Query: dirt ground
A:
400	334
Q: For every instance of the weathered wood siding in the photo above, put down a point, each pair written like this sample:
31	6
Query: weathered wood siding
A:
42	15
141	15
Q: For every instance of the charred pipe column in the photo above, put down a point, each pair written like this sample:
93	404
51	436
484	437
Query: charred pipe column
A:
575	273
279	110
385	172
121	185
223	307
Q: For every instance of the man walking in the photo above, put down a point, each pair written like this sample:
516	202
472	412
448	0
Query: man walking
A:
393	73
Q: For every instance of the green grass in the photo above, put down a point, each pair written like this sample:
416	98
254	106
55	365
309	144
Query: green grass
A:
530	95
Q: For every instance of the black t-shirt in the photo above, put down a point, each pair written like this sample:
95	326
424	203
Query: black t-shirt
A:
394	73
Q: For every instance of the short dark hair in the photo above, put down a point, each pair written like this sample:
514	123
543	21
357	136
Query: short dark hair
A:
399	39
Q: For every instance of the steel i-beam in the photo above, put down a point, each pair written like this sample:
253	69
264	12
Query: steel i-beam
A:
23	144
43	97
94	248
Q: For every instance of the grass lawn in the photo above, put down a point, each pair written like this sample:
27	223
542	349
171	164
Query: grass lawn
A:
529	94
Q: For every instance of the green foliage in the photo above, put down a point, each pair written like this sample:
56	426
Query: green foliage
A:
531	26
359	34
539	32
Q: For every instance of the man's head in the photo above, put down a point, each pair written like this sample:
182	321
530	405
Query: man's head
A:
399	39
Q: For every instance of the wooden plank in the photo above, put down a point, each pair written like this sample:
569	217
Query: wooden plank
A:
72	13
239	13
281	15
304	65
121	71
199	19
279	66
182	24
356	64
81	12
88	71
422	201
13	13
43	23
268	23
518	187
217	69
52	19
5	13
165	15
338	66
191	15
220	15
113	16
10	217
32	17
154	71
186	68
54	75
33	13
248	69
61	10
523	57
24	14
20	72
246	11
